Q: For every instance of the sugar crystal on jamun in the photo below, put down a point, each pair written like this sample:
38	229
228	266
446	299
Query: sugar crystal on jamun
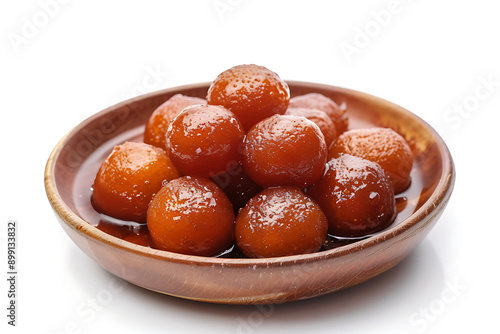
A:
285	150
157	125
381	145
251	91
356	195
280	221
129	178
323	103
320	118
191	215
204	140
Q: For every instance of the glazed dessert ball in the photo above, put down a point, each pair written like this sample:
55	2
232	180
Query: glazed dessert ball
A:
204	140
191	215
129	178
318	117
356	195
252	92
237	185
323	103
285	150
280	221
381	145
158	122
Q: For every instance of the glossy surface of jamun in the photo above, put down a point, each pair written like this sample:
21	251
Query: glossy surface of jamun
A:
252	92
318	117
285	150
280	221
323	103
156	127
191	215
129	178
381	145
356	195
204	140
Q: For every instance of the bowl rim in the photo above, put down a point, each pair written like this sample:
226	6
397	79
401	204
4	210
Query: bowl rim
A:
436	201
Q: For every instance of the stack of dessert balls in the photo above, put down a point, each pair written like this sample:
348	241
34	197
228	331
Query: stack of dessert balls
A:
252	168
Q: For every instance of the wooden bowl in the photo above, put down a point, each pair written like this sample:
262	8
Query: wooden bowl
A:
247	281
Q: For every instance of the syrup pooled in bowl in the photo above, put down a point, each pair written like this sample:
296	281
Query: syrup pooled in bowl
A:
125	250
407	202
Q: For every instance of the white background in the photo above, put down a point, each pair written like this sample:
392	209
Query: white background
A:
62	61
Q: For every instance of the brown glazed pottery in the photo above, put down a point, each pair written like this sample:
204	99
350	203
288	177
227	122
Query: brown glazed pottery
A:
240	280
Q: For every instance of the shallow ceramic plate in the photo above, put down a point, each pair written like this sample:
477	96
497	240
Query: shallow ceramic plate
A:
248	281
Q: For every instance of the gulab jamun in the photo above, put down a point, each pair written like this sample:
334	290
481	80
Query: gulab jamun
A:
323	103
356	195
252	92
285	150
320	118
204	140
129	178
191	215
381	145
280	221
156	127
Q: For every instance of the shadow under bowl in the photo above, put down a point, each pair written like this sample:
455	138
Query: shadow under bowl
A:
250	281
